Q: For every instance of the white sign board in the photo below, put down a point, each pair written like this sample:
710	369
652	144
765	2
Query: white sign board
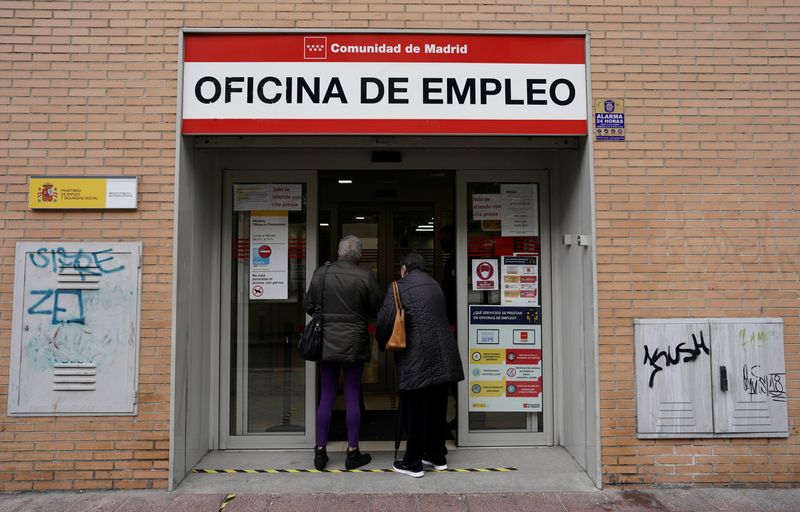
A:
519	209
390	83
269	255
267	196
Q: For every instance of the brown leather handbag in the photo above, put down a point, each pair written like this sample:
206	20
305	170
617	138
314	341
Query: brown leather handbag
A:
397	341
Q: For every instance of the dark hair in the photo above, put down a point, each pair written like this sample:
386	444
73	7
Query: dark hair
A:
414	261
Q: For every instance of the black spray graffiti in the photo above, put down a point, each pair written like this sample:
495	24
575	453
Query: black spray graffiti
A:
690	355
770	384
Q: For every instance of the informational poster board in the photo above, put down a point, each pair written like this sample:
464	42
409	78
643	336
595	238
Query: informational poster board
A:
520	275
505	359
269	255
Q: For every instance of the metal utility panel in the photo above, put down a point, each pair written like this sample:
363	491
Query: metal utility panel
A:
749	376
673	377
718	377
75	333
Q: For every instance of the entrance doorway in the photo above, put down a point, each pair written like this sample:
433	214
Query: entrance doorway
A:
391	217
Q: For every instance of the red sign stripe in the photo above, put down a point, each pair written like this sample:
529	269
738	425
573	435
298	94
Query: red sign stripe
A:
480	48
384	126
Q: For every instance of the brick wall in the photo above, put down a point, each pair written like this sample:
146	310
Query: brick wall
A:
697	211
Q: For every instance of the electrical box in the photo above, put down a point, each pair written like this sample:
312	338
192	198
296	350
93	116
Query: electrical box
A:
721	377
75	329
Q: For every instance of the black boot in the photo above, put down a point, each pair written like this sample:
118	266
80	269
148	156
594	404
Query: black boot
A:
320	457
356	459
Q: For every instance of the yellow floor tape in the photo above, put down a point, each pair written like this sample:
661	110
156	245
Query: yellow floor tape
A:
225	502
274	471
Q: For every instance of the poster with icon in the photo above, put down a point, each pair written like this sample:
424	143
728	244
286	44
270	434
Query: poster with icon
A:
520	278
485	276
269	255
505	359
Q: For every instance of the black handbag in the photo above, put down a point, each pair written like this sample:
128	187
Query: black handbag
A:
310	345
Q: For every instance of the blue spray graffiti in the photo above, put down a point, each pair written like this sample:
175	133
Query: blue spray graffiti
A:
85	263
85	326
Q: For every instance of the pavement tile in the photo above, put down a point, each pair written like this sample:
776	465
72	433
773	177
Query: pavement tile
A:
636	501
491	503
539	502
147	502
773	500
99	502
343	503
294	503
50	502
728	500
13	502
392	503
249	503
441	503
587	501
683	500
196	503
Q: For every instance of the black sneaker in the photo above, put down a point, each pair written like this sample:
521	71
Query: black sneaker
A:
414	470
356	459
439	464
320	458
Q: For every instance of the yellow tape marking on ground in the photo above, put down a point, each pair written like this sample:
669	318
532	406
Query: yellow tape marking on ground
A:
225	502
274	471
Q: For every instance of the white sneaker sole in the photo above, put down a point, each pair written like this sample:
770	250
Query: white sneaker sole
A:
434	466
415	474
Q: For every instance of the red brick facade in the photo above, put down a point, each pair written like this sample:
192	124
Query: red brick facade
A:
697	211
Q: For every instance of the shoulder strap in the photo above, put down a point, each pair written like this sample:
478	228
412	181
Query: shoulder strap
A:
321	296
396	291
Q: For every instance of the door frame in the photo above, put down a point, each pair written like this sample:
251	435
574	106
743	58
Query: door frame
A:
499	437
232	441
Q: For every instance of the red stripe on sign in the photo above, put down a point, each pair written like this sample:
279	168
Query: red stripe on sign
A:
384	126
475	48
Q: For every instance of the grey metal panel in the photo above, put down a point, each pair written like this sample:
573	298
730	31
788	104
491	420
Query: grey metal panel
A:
749	376
75	338
673	379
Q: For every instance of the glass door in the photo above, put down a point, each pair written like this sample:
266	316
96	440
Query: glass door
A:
267	390
504	309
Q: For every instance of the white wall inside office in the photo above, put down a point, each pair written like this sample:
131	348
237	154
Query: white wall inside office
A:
75	329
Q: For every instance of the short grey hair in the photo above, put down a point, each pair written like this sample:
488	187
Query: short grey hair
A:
350	248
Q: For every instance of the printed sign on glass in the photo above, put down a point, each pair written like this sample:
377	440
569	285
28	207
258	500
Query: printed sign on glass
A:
505	359
269	255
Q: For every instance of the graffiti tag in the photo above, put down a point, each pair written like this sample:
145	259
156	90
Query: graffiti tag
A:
769	384
688	354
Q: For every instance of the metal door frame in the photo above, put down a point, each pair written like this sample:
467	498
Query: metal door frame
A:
228	440
509	437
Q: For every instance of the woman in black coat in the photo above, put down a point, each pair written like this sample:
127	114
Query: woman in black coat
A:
427	366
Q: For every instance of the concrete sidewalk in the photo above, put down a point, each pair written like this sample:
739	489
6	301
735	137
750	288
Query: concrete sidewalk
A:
651	499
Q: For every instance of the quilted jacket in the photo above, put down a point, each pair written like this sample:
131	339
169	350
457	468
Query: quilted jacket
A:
431	354
351	297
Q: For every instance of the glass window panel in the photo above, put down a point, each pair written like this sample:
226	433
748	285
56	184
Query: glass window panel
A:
500	384
267	373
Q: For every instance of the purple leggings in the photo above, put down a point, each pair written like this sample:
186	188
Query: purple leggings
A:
328	380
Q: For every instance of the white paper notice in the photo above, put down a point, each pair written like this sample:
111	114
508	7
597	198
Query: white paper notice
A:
484	275
269	255
486	207
267	196
520	210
